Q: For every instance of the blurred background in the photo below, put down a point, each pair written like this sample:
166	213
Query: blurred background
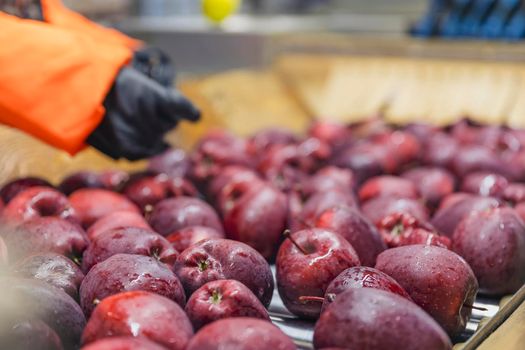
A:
255	64
260	30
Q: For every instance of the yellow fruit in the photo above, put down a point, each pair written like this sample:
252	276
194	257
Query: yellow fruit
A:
218	10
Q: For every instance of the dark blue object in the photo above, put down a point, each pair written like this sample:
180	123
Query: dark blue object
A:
473	20
492	19
515	29
430	23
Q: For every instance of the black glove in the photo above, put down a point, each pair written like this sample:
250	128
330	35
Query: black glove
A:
139	112
155	64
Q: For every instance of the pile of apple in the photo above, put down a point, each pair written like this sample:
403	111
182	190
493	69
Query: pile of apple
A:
383	235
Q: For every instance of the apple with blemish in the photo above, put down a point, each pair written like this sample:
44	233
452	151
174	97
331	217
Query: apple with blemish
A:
43	235
54	269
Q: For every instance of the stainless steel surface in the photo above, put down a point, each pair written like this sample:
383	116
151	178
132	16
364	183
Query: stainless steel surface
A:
301	331
505	329
246	41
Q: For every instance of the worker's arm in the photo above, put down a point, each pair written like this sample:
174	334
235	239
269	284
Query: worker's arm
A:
54	84
150	61
55	13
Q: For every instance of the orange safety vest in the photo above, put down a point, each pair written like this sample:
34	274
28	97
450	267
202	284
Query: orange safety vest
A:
55	75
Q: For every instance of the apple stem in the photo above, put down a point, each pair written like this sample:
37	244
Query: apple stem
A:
468	306
311	298
288	235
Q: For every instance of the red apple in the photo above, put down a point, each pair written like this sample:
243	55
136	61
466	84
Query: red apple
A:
520	210
216	150
173	162
387	186
123	343
37	202
81	179
219	259
128	272
188	236
263	140
329	178
173	214
117	219
304	215
365	159
356	229
432	183
445	220
440	149
14	187
232	191
32	299
223	299
514	193
230	176
332	133
46	235
140	314
257	217
402	146
146	190
281	165
400	229
241	333
484	184
92	204
113	179
54	269
367	318
492	241
128	240
306	264
29	334
284	165
378	208
453	198
421	131
362	277
474	158
437	279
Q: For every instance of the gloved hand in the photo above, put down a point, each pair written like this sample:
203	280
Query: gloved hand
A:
155	64
139	111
